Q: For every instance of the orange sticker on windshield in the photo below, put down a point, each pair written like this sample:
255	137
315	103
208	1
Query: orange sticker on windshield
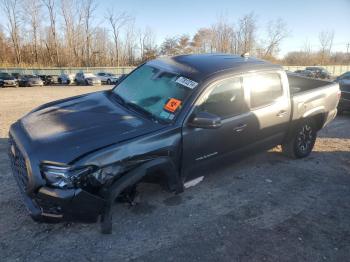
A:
172	104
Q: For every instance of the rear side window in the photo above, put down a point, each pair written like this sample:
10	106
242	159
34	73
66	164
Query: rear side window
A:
225	99
264	88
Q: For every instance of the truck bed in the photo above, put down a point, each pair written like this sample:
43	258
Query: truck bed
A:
299	84
313	96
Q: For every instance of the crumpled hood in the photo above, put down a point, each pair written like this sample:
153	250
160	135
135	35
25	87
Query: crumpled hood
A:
66	130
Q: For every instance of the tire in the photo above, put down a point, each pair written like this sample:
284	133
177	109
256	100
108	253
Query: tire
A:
302	141
109	81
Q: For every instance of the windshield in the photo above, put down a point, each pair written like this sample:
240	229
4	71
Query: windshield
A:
159	93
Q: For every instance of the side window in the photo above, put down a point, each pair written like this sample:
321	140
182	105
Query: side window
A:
225	99
264	88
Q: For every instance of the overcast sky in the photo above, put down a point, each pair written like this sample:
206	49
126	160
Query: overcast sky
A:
305	18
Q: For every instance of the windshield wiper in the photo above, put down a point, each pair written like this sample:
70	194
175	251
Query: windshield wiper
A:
140	109
119	98
137	108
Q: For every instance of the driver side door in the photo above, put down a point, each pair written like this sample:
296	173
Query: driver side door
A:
203	146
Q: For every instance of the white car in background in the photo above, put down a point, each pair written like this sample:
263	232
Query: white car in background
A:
66	79
87	79
107	78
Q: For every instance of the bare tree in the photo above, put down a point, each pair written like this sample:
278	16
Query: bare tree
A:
223	36
147	44
276	32
4	47
184	45
71	14
32	11
52	41
326	42
202	41
89	7
170	46
10	8
117	22
247	33
130	43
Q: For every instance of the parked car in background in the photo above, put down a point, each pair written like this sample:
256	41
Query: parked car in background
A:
121	78
7	80
107	78
66	79
87	79
344	83
49	79
306	73
30	80
16	75
319	72
171	117
4	74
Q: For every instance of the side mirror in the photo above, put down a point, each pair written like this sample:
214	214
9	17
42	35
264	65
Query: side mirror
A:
205	120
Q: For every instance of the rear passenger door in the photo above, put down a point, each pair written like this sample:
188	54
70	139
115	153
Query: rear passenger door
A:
269	101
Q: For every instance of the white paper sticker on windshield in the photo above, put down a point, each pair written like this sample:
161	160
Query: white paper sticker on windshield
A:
186	82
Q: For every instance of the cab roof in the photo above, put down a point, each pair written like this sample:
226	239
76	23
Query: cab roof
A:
202	66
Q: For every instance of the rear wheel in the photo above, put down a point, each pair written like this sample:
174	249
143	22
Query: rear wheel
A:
302	142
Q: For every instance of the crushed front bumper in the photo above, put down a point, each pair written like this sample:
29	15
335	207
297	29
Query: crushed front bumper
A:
54	205
49	204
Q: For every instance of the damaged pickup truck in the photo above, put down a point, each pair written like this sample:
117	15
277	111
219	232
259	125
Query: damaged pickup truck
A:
170	119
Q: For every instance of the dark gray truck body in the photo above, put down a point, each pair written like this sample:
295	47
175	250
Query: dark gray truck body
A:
104	147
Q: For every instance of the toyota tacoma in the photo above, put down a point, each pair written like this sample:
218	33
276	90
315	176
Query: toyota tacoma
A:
170	119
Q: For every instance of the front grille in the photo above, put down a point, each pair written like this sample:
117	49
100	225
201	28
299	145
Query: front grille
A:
18	165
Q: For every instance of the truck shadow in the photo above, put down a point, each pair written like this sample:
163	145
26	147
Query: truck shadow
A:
339	128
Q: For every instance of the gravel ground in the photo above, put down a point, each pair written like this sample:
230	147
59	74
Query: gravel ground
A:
263	208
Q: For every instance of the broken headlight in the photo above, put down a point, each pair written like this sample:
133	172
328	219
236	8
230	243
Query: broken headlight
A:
63	176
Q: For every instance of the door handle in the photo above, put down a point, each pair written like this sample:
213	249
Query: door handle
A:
282	113
240	128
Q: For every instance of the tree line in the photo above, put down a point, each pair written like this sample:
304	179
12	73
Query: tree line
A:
69	33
